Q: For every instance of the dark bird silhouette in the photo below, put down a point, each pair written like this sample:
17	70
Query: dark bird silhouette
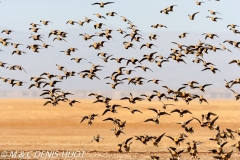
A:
154	119
131	99
183	124
176	140
101	4
117	132
127	143
90	117
159	113
132	110
157	140
202	87
191	17
148	45
114	120
181	112
211	68
111	108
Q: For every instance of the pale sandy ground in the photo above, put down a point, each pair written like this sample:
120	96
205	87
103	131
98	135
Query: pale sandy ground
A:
27	125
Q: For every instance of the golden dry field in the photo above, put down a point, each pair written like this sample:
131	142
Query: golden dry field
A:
27	125
69	71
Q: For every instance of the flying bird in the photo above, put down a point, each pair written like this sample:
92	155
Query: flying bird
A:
191	17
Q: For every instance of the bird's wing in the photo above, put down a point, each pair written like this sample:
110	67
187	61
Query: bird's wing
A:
211	113
231	89
111	119
138	67
197	120
95	3
151	54
179	89
147	120
128	140
46	103
45	85
126	108
159	138
105	111
233	61
142	46
124	98
96	77
31	86
214	120
188	121
54	82
170	137
162	113
149	81
175	110
137	98
164	61
179	152
43	93
128	62
91	94
149	69
153	95
83	118
224	143
195	14
135	110
165	87
153	109
187	111
205	69
206	85
108	3
116	105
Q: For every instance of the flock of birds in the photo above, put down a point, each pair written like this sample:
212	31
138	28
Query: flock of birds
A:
56	95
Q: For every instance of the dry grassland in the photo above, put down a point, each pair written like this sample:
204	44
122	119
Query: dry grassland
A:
28	125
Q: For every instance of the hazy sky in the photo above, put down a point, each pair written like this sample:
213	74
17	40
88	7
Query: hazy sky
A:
17	15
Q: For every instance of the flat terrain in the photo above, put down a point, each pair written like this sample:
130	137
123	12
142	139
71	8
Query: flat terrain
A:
27	125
